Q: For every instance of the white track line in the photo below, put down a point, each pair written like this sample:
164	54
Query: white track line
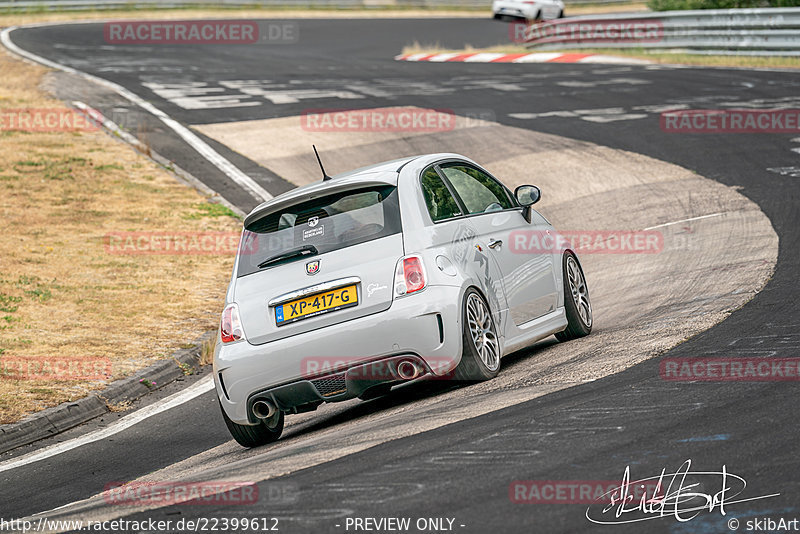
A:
94	115
228	168
685	220
204	385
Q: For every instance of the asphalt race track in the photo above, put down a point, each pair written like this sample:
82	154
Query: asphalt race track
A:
400	456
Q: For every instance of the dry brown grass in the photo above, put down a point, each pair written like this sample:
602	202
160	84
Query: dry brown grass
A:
207	351
61	293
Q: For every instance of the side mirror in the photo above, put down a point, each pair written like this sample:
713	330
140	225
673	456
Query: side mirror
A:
527	196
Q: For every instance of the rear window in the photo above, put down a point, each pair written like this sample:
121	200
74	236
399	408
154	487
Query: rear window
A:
327	223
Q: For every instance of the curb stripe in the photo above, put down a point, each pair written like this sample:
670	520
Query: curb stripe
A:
569	58
532	57
460	57
508	58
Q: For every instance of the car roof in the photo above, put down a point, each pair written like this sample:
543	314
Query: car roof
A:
380	173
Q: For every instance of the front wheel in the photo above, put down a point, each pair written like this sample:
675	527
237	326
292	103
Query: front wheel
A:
254	436
480	355
576	300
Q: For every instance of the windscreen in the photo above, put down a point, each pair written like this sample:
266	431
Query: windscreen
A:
327	223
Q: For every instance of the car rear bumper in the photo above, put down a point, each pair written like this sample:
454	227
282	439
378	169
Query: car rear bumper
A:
545	10
301	371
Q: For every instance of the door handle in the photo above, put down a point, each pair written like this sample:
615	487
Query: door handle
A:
494	243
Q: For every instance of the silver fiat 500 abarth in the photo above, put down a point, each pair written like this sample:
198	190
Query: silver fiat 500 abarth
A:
423	266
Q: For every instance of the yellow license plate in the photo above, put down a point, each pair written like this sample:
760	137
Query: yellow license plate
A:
336	299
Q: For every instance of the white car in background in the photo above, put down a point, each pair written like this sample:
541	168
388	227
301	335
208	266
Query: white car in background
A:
528	9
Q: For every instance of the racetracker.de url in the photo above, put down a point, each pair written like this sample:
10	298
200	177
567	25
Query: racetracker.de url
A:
202	524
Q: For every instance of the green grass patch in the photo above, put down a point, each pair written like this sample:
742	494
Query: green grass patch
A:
40	294
110	167
209	209
30	166
58	169
8	303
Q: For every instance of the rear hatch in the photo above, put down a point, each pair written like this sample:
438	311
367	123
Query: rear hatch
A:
318	262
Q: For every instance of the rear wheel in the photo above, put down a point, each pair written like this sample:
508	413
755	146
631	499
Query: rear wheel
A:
264	432
576	300
480	355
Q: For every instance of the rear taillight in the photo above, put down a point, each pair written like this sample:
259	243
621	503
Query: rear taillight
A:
231	326
409	277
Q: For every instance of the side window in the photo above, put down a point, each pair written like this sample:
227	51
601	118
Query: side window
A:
479	192
441	204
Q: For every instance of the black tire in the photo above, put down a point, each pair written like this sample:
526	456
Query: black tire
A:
255	435
472	367
574	295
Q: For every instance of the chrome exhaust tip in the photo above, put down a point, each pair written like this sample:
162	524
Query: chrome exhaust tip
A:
264	409
408	370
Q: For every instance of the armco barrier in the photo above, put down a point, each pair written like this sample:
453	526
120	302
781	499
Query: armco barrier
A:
91	5
767	31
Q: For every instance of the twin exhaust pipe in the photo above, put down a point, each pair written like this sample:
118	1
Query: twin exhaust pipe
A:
264	409
405	370
408	369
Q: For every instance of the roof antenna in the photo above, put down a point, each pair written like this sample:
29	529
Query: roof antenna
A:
325	176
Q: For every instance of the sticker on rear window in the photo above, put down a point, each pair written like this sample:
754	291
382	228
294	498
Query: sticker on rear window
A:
318	231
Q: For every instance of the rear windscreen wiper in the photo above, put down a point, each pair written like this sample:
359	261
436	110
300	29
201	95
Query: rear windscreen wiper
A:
299	252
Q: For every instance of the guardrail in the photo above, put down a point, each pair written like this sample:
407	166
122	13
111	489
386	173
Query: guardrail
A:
86	5
766	31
